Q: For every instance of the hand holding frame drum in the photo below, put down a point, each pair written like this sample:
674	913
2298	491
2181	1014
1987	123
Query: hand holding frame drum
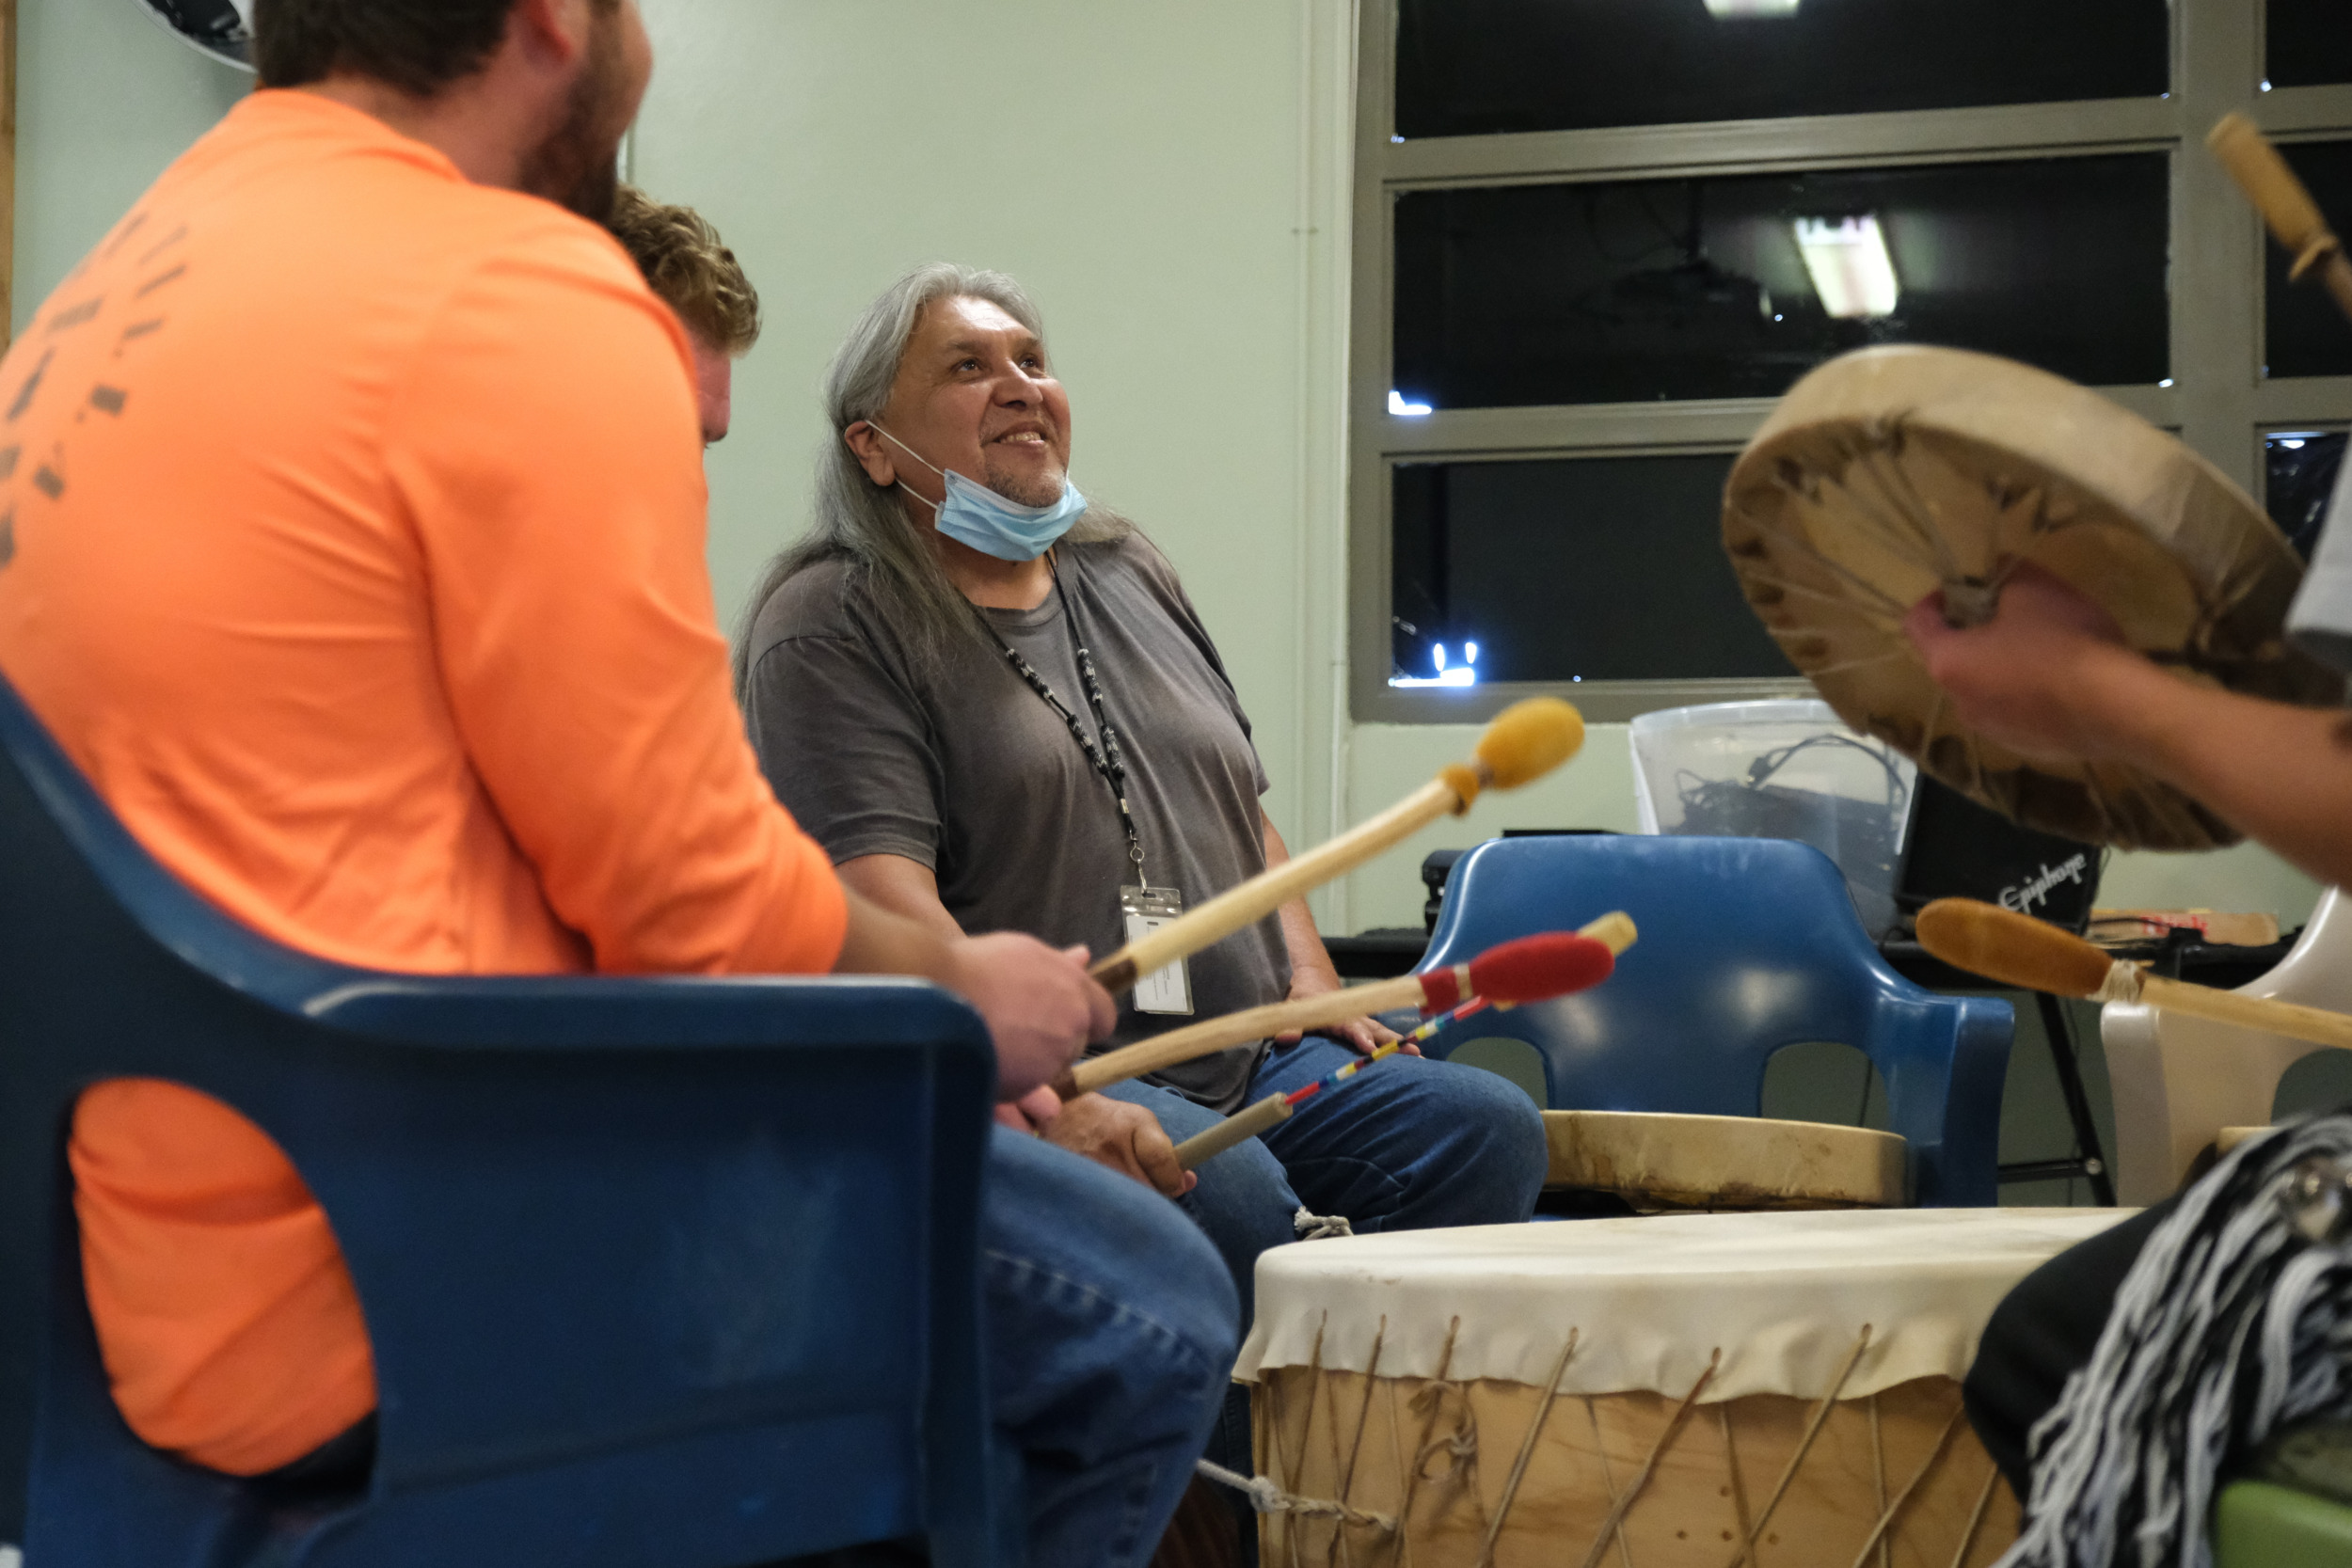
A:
2019	950
1530	969
1895	473
1523	743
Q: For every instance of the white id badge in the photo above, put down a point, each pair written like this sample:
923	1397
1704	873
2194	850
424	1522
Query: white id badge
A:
1168	988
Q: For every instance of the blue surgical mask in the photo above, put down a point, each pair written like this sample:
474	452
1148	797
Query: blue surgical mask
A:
976	516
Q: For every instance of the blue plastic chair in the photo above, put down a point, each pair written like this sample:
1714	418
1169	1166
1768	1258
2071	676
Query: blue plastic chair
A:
1747	945
672	1272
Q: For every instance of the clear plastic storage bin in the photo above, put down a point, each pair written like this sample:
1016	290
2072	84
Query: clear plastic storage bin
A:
1780	769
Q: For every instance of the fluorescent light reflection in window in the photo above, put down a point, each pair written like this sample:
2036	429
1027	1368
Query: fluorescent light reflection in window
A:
1403	410
1446	673
1847	262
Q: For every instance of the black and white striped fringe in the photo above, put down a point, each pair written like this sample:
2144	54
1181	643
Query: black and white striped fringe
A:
2229	1326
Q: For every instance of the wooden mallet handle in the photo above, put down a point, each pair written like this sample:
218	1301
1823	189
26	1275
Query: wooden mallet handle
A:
2018	950
1525	741
1203	1146
1613	931
2294	217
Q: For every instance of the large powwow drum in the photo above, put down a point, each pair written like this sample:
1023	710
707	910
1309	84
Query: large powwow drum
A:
1683	1391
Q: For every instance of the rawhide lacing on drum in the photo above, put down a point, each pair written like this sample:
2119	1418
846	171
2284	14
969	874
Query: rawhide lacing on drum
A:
1649	1466
1805	1445
1266	1497
1902	472
1445	1365
1878	1536
1527	1451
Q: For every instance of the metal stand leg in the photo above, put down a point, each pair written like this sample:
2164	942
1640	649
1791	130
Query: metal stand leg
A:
2088	1159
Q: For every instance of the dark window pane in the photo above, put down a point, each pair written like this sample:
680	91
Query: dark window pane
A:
2310	43
1563	569
2303	332
1468	67
2299	474
1629	292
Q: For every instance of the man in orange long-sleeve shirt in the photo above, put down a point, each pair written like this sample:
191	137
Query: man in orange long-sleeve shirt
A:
351	541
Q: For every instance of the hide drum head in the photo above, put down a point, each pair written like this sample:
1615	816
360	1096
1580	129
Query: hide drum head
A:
1893	471
1656	1160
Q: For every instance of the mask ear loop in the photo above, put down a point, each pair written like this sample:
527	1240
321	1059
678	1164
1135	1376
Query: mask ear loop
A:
876	426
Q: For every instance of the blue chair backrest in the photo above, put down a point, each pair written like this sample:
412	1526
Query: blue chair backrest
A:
667	1270
1746	946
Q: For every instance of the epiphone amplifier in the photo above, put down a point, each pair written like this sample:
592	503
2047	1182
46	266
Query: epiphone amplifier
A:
1956	848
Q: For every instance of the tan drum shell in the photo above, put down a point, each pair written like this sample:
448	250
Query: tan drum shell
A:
1336	1434
1658	1160
1892	471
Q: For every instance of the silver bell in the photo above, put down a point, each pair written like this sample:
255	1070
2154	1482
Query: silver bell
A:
2316	1198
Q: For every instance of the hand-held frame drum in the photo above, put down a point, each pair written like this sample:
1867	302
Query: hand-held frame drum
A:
1896	472
2019	950
1524	742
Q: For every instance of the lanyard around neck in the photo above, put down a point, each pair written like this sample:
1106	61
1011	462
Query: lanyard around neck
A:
1106	758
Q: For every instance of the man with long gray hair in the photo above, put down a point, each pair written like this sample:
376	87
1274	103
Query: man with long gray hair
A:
994	707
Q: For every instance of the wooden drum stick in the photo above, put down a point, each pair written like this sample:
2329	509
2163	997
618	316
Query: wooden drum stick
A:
2019	950
2284	204
1528	970
1246	1123
1524	742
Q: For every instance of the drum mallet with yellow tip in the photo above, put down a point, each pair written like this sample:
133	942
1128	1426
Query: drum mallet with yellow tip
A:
1524	742
2019	950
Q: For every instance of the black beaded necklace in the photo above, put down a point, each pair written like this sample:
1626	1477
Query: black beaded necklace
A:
1106	758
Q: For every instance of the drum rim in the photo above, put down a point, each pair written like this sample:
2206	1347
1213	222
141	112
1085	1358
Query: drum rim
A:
1974	400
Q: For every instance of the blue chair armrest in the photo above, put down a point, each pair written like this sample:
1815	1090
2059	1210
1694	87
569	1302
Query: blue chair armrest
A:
1944	1060
605	1012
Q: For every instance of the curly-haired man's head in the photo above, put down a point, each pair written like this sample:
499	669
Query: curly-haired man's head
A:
696	276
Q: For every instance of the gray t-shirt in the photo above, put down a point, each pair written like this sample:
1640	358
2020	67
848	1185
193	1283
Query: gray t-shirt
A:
966	770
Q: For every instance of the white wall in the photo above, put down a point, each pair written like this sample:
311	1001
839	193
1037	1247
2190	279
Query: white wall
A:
105	98
1170	180
1146	171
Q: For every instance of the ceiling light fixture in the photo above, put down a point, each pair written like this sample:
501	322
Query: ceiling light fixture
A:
1851	269
1723	11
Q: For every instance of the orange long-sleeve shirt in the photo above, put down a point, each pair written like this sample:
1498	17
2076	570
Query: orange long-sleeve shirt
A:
351	540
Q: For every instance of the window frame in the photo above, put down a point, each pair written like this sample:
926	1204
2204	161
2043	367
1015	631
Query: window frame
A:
2219	401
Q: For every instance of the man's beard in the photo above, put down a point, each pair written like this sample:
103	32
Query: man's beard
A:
1028	490
576	166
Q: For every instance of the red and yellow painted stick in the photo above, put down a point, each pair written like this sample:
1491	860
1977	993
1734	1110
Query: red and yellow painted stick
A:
1249	1123
1533	969
1527	970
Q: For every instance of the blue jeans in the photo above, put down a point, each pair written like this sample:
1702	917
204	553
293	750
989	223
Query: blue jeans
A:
1409	1144
1111	1330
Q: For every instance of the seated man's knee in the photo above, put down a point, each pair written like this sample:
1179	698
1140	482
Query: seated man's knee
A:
1244	1200
1093	1233
1502	1129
